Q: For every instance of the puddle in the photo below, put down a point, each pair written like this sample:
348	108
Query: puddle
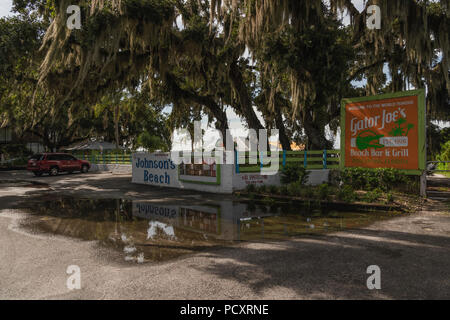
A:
145	231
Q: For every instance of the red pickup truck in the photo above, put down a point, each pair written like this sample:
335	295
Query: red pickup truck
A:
53	163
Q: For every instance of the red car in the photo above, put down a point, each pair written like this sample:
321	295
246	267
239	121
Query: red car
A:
53	163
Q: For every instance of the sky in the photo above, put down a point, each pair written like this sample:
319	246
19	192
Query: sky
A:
5	7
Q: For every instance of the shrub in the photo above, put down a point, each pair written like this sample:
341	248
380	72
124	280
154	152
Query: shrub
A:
15	151
444	156
353	177
347	194
273	189
261	189
391	178
373	195
308	192
389	198
269	201
334	177
250	188
294	172
324	191
294	188
370	179
283	190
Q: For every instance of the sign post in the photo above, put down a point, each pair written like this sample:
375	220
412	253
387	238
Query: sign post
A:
385	131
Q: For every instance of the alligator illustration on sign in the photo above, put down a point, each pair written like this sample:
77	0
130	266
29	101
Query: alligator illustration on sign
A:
368	139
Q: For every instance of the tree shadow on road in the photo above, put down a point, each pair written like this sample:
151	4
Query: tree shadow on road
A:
334	266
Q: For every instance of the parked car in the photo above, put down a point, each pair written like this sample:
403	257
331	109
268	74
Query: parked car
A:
53	163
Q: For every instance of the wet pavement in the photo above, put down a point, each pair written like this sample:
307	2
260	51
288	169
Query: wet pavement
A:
138	242
144	231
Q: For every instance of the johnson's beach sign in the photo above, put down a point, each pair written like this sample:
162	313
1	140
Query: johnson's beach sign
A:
384	131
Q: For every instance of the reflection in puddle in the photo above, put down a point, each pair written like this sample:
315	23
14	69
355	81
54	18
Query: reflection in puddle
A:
145	231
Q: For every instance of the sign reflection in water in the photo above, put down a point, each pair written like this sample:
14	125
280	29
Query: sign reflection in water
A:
148	231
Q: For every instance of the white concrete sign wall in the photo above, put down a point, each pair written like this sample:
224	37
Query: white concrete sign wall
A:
242	180
155	169
114	168
158	169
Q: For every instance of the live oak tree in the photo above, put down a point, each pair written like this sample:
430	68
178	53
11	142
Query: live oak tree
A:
124	44
300	59
19	62
28	109
413	34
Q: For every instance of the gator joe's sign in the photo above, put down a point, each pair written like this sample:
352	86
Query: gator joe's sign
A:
385	131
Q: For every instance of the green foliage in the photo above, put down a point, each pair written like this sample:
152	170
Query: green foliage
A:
347	194
59	124
268	201
444	156
274	189
373	195
293	54
150	142
250	188
323	191
283	190
308	192
305	61
389	197
10	151
369	179
334	177
294	189
436	139
294	172
261	189
14	155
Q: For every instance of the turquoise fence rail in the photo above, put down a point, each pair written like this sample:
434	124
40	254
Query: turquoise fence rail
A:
252	162
106	158
246	162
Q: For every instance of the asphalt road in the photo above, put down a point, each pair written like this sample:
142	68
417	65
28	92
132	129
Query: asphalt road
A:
413	253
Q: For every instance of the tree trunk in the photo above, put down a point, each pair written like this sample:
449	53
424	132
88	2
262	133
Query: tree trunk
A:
245	104
315	133
207	101
284	139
